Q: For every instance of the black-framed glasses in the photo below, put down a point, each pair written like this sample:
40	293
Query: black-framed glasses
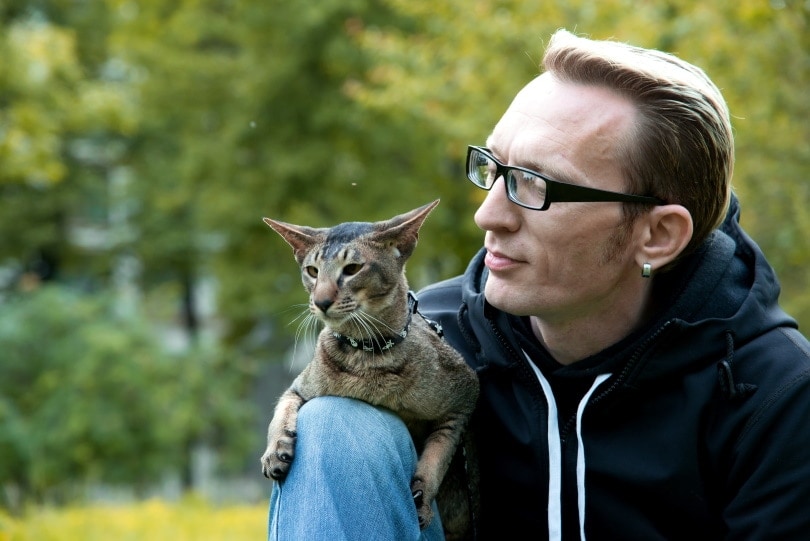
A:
535	191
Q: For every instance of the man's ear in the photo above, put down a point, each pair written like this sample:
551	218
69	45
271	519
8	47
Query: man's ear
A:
666	230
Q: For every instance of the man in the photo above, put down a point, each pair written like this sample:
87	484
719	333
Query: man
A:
638	378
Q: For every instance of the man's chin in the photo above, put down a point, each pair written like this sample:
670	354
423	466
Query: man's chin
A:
499	296
510	299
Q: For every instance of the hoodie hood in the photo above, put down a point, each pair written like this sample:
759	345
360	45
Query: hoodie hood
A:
661	434
723	295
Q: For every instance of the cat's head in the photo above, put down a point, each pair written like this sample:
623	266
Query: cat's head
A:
354	265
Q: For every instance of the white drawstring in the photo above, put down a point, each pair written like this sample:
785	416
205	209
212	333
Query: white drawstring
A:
581	454
554	460
555	457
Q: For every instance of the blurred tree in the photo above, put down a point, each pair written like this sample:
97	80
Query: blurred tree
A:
245	113
63	113
99	400
224	112
142	142
465	60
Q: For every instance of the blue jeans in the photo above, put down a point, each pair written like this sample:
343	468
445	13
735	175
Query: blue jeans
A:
350	479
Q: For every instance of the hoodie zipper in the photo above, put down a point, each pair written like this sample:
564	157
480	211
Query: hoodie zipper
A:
590	398
622	376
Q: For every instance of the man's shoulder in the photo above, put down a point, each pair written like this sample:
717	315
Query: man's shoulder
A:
450	287
441	297
443	303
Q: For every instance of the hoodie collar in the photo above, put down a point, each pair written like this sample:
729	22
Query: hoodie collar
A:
725	286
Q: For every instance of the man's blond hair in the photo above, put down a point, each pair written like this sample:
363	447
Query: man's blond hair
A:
682	148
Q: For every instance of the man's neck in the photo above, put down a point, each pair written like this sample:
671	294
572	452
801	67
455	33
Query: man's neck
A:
572	340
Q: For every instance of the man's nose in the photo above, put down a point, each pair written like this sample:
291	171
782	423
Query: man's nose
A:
497	211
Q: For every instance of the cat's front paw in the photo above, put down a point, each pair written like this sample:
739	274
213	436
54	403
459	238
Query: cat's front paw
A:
278	457
423	510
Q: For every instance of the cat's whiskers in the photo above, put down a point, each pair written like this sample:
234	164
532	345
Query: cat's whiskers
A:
374	324
307	329
303	320
372	329
304	311
365	331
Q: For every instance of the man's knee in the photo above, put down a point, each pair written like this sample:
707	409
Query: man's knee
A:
329	424
347	448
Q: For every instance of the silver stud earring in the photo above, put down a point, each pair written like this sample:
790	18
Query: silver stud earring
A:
646	270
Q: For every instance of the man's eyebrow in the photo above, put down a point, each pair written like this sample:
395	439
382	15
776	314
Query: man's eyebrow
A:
543	168
551	172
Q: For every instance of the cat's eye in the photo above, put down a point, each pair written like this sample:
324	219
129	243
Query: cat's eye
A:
352	268
311	271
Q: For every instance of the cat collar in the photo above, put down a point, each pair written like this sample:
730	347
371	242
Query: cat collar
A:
382	344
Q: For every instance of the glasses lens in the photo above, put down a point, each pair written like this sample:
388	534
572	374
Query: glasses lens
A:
526	188
481	169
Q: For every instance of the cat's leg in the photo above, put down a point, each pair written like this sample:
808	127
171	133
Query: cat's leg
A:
350	478
439	448
281	436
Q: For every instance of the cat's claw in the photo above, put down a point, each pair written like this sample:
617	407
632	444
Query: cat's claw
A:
423	511
276	465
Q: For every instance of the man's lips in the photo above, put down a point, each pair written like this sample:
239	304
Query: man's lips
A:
496	261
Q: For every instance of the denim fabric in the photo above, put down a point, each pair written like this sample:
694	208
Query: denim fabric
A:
350	479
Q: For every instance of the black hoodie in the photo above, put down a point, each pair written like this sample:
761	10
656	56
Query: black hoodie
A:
695	427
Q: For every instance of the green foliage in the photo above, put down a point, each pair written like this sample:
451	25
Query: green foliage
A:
460	64
163	131
86	394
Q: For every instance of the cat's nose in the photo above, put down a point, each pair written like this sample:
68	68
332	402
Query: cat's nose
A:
324	304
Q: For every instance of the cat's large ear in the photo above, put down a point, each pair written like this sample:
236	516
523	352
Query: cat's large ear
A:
402	231
300	237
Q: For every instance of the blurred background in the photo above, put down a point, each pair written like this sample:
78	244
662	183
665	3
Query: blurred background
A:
146	312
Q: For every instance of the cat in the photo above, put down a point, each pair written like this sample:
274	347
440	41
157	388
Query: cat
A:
375	346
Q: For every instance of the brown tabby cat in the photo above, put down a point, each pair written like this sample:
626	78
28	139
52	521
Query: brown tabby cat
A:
378	348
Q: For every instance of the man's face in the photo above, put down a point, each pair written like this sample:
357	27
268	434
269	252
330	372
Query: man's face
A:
573	260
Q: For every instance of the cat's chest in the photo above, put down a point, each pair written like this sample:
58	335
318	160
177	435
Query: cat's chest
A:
378	379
